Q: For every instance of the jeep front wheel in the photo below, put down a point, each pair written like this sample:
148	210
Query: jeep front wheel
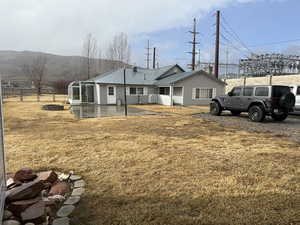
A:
280	116
215	108
256	113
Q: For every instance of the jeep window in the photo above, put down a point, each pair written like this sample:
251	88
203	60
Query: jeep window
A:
236	91
298	90
278	91
248	91
262	91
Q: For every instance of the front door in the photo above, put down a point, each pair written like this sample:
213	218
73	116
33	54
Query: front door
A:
111	95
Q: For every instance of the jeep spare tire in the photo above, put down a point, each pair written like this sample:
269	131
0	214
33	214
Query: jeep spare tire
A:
287	100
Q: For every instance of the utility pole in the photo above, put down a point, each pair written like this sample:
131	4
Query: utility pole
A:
154	57
217	44
194	43
125	98
148	55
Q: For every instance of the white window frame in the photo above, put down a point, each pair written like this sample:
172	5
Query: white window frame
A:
145	91
203	89
164	94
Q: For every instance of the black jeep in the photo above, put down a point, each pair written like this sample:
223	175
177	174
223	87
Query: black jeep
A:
259	101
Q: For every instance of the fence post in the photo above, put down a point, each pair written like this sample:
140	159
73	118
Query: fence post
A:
21	95
270	81
53	96
38	97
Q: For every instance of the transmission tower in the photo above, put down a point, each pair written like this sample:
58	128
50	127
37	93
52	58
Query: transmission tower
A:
194	43
148	54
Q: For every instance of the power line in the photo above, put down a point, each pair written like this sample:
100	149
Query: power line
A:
236	35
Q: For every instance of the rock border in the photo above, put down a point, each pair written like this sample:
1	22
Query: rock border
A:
66	201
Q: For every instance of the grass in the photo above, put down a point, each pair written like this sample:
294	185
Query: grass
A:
160	169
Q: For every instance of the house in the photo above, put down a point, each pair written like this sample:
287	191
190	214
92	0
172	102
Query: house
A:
169	85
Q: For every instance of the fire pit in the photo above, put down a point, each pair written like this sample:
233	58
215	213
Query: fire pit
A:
53	107
45	197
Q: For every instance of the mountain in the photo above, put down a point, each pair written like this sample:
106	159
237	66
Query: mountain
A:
57	68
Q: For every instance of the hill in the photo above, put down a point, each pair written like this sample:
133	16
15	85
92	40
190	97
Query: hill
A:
58	67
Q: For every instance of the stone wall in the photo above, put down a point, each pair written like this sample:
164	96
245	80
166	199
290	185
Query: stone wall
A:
275	80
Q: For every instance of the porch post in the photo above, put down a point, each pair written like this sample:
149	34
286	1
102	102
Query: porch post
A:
171	95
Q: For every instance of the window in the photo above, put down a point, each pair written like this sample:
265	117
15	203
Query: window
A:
236	91
248	91
203	93
177	91
75	91
136	91
262	91
164	91
278	91
132	91
140	91
111	91
298	91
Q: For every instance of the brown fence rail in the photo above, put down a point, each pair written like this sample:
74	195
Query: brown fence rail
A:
30	95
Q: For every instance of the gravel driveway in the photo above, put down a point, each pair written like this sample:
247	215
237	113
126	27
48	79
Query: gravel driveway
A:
290	128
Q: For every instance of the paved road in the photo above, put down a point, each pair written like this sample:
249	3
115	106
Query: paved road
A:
290	128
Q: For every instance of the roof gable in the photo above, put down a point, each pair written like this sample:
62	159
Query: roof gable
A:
172	79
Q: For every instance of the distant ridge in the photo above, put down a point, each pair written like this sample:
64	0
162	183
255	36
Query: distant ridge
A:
58	67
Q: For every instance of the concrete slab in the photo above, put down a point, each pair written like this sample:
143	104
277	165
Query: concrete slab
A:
93	111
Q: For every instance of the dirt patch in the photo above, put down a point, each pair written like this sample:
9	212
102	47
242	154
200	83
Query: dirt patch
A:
290	128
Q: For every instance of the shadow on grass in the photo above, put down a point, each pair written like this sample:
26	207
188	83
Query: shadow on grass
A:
264	209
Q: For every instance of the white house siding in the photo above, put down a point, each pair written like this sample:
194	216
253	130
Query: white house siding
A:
199	81
131	99
97	94
164	99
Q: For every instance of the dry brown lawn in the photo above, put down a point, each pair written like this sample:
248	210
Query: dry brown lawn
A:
160	169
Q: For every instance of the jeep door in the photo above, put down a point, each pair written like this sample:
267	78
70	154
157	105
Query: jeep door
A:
234	101
247	95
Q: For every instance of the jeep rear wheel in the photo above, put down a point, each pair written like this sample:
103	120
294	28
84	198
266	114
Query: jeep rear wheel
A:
280	116
215	108
256	113
235	113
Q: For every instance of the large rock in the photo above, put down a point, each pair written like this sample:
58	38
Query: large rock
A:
78	191
79	183
47	176
24	175
65	211
11	222
25	191
60	189
35	214
61	221
7	214
19	206
72	200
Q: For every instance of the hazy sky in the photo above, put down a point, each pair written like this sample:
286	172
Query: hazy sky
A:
59	26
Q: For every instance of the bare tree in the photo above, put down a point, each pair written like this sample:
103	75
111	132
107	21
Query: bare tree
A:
119	51
89	54
36	71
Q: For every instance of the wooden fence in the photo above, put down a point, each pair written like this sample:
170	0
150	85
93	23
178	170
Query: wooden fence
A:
29	95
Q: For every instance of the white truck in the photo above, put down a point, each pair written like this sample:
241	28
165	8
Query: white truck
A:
295	89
